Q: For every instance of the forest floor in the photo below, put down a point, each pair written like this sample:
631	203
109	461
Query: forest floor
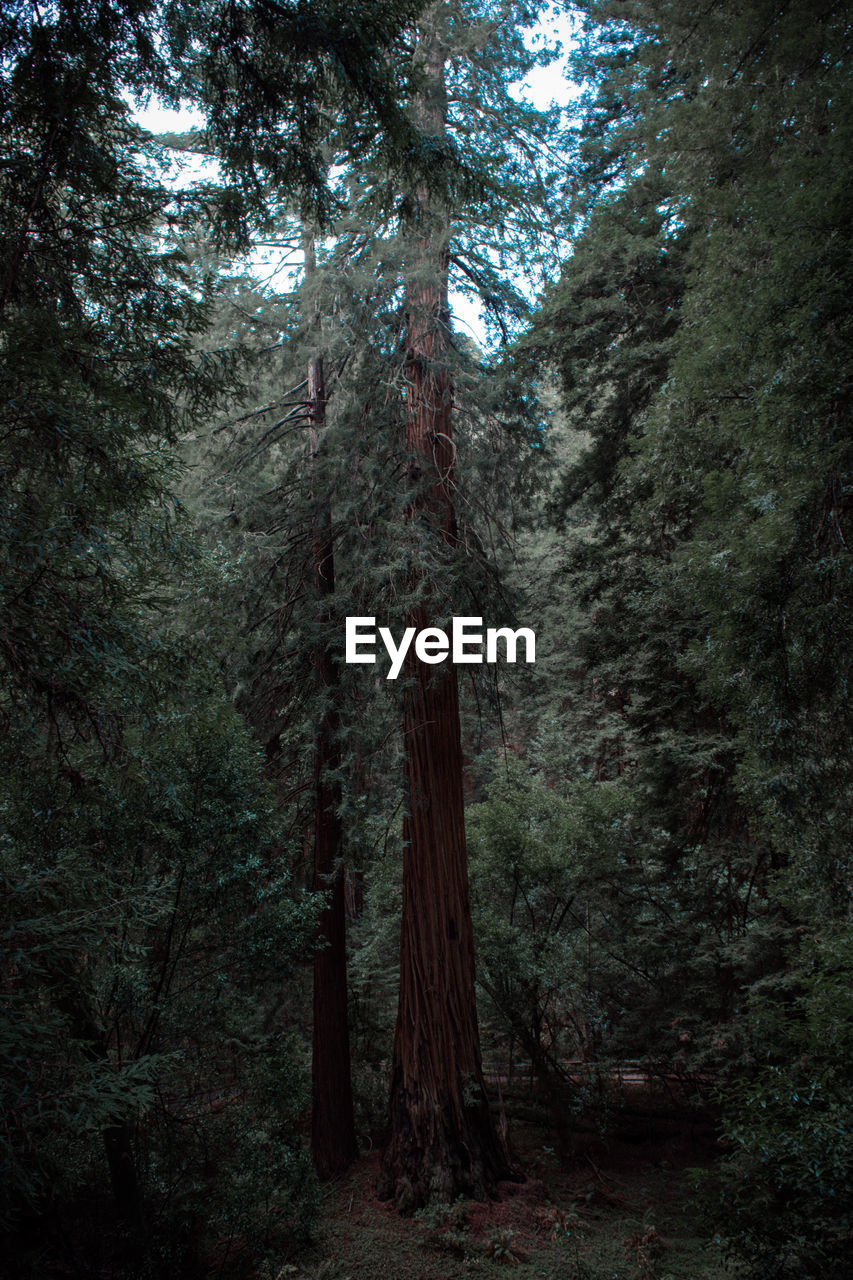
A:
620	1207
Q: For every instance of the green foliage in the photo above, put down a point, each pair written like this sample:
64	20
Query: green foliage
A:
445	1228
536	858
700	330
737	462
347	306
278	80
787	1184
594	941
148	937
503	1248
666	877
143	912
99	315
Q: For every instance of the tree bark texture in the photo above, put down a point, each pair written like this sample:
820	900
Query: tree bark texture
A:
443	1141
333	1141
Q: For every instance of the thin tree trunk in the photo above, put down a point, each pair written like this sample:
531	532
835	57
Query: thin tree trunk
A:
333	1142
118	1146
123	1179
443	1141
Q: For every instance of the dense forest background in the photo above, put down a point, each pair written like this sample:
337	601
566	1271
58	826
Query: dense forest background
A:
266	914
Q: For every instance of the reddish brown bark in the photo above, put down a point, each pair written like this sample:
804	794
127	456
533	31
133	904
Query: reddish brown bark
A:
333	1142
443	1141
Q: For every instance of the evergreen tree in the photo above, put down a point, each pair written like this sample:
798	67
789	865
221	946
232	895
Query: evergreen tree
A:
442	1139
122	840
333	1139
699	330
367	279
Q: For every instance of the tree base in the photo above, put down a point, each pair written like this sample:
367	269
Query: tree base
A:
439	1151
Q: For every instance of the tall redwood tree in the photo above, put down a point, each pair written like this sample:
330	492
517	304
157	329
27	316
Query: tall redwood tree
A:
442	1141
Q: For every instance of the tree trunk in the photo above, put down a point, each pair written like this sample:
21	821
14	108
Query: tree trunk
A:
123	1178
443	1141
118	1147
333	1142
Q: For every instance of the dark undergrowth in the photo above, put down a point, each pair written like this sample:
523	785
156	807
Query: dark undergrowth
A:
622	1206
599	1203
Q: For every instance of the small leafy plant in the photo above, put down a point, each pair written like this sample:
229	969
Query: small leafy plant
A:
648	1247
502	1247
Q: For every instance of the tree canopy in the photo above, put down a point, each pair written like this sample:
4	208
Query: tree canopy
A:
225	851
